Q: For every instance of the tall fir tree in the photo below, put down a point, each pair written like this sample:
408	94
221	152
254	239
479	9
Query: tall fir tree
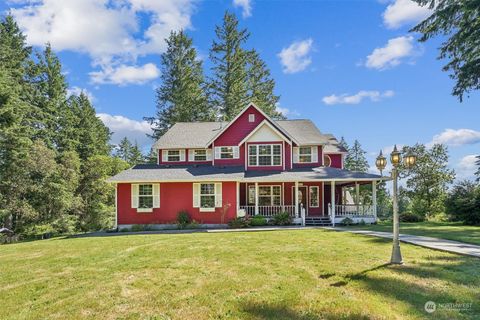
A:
229	84
182	96
123	149
136	156
355	159
478	170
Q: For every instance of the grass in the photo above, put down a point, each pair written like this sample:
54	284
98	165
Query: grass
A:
444	230
288	274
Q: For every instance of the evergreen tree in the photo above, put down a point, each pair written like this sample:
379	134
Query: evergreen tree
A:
124	149
478	170
355	159
343	143
136	156
429	179
181	97
229	85
261	86
14	53
152	157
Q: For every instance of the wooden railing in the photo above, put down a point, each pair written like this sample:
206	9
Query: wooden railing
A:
354	210
269	211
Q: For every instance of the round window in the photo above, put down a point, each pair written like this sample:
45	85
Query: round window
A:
327	162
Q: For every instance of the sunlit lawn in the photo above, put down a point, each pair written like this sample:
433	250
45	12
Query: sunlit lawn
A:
445	230
290	274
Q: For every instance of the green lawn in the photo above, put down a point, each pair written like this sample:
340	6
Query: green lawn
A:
288	274
451	231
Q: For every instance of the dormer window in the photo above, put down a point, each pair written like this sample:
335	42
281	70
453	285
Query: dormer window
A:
305	154
251	117
173	155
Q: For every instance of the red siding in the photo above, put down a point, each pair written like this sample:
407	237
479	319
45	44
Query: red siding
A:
174	197
336	160
239	129
232	162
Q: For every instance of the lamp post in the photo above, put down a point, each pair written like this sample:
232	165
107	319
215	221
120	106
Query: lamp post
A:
396	159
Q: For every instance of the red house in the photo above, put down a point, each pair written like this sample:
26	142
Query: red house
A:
253	165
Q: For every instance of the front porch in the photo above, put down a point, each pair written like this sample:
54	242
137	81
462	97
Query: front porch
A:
307	202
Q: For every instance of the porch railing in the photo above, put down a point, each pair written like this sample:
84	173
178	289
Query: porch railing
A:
269	211
354	210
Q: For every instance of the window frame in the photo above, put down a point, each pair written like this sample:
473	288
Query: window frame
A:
271	195
300	154
257	155
140	196
179	155
195	155
310	188
222	152
329	159
251	117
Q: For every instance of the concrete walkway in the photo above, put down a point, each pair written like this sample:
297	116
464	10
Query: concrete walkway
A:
427	242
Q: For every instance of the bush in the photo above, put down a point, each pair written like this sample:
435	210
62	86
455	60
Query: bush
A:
240	222
410	217
282	219
183	219
463	203
193	225
257	221
346	222
140	227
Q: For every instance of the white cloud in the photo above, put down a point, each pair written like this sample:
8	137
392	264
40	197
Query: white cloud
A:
77	90
402	12
246	6
124	74
467	167
108	31
456	137
392	53
286	111
296	57
358	97
124	127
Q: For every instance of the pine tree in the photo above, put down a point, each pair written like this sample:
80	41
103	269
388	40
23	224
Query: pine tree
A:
181	97
229	85
124	149
152	156
355	159
343	143
478	170
136	156
261	86
14	53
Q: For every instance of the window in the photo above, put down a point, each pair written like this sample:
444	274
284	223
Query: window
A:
269	195
200	155
173	155
314	196
305	154
327	161
251	117
251	195
265	155
145	196
207	195
226	152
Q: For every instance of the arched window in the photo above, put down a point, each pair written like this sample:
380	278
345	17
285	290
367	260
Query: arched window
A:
327	162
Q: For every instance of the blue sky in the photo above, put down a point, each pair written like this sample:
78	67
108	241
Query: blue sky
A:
350	66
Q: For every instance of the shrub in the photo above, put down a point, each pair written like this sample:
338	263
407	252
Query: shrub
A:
362	222
282	219
240	222
183	219
410	217
463	203
346	222
258	221
193	225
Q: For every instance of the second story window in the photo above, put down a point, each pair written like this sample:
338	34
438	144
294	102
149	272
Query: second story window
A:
305	154
226	153
173	155
265	155
200	155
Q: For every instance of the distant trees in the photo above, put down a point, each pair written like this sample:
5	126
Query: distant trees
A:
356	158
129	152
463	203
49	146
478	170
459	21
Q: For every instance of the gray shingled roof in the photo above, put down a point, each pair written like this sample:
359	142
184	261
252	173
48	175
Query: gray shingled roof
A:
333	145
198	134
155	173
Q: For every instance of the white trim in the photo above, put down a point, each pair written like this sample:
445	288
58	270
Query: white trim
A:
323	200
181	155
260	125
207	209
218	152
306	196
144	210
297	161
258	154
385	178
283	155
251	104
271	194
116	206
251	117
330	159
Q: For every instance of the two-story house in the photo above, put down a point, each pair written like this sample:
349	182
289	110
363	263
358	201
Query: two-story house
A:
251	165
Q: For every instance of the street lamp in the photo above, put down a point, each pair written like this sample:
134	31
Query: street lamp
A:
396	159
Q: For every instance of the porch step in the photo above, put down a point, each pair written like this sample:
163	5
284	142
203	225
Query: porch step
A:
318	221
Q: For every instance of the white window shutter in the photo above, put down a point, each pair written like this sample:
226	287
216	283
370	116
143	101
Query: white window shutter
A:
134	188
236	153
217	152
218	195
191	154
196	195
164	155
209	154
314	154
182	155
295	155
156	195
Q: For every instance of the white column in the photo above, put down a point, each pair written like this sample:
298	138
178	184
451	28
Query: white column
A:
296	199
256	198
332	201
374	198
357	196
238	196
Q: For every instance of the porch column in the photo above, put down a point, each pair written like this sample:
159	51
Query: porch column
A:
238	196
332	201
374	198
296	199
357	196
256	198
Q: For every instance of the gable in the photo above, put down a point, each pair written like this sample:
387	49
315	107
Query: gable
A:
264	133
